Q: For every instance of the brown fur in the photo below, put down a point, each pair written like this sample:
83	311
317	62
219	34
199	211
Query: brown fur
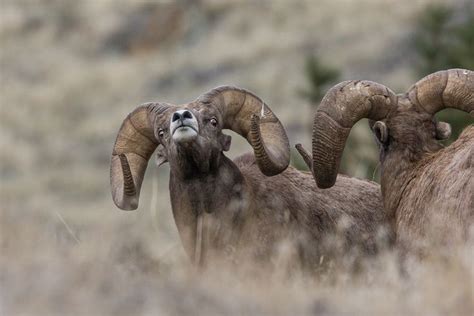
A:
428	189
250	215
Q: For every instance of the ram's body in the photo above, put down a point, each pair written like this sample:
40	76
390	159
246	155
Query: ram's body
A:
428	190
250	214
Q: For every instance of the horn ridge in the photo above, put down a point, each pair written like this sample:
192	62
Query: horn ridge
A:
129	185
241	110
452	88
342	106
134	145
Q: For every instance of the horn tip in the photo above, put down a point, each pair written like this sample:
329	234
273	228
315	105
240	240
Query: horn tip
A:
324	182
325	185
270	172
128	204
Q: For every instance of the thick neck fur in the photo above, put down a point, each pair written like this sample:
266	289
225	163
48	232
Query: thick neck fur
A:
222	180
190	161
194	186
411	142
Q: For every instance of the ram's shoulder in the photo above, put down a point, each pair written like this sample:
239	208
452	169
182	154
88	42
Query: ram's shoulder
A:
245	160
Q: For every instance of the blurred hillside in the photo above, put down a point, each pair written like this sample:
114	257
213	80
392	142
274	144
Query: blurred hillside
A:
70	72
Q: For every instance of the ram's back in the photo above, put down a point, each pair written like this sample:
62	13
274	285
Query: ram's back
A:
352	208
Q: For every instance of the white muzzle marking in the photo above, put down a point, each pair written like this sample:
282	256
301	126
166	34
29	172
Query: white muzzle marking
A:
183	126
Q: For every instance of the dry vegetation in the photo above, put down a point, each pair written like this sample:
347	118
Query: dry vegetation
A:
70	71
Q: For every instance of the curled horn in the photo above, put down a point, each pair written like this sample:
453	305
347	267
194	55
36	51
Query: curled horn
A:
133	147
342	106
453	88
246	114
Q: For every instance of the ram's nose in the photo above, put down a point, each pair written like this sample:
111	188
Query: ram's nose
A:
181	115
184	126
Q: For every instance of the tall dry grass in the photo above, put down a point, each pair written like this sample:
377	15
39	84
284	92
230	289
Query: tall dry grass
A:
111	267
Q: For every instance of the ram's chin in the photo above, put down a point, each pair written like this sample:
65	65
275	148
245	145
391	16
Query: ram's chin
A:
184	134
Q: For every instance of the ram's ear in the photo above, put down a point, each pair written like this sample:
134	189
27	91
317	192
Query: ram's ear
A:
225	141
161	155
443	130
381	131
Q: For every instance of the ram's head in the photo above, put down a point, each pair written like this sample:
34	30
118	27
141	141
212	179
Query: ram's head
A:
402	122
190	137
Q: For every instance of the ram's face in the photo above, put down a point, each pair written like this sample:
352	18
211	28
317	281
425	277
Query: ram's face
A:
190	132
190	137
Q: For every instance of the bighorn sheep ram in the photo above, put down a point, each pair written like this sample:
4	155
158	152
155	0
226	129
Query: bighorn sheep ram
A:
246	206
427	189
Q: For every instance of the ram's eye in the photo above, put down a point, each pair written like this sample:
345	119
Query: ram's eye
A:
213	121
161	133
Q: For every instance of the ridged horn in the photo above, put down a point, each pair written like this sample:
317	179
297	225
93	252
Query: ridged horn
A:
342	106
246	114
133	147
453	88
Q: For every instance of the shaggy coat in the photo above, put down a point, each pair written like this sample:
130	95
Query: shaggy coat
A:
253	215
428	190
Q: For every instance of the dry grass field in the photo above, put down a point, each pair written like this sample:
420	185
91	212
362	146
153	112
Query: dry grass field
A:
70	71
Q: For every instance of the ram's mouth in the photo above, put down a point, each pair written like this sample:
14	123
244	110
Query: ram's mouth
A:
184	133
183	128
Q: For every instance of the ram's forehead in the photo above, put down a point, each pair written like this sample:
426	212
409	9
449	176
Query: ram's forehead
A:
199	108
407	110
188	106
405	103
165	114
